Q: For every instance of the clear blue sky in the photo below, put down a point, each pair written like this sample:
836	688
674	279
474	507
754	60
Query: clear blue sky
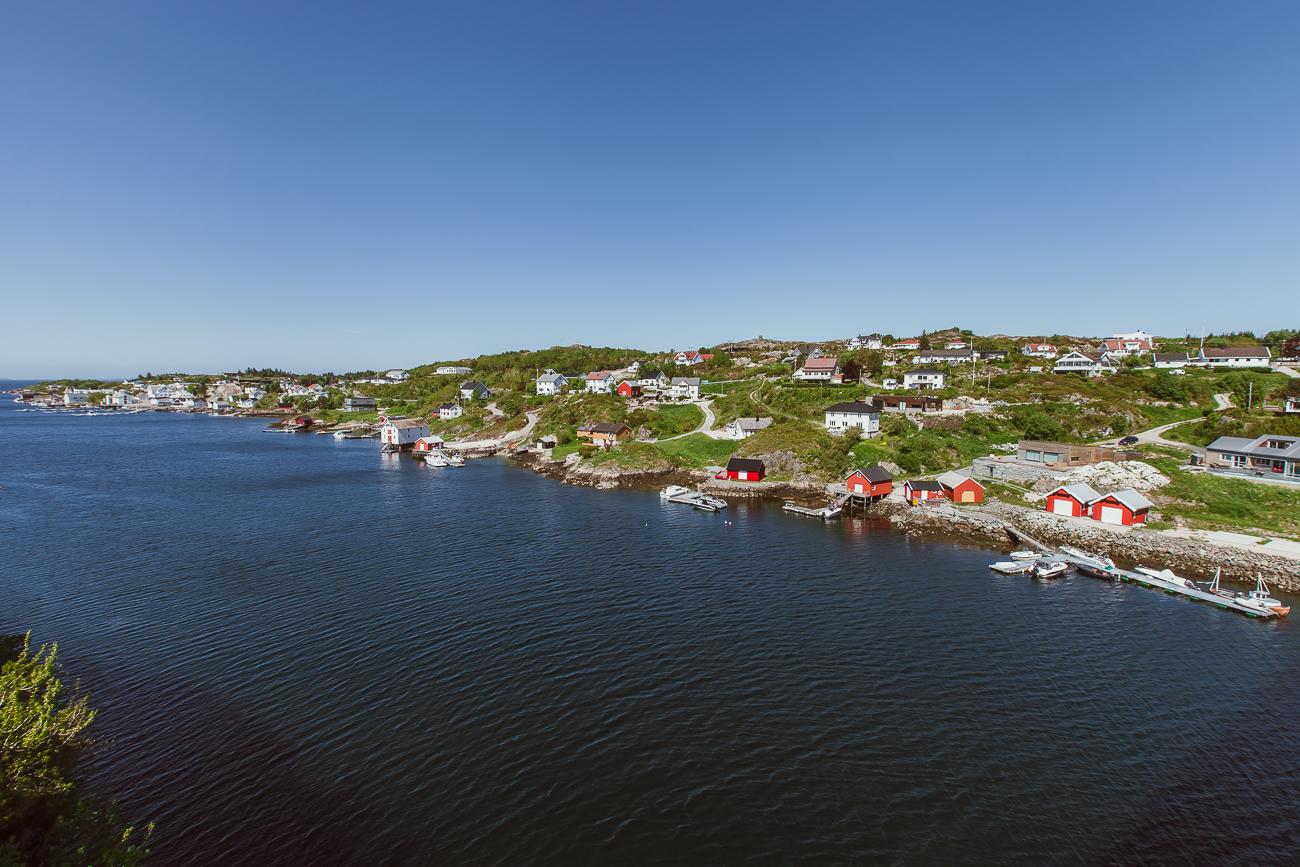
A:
338	186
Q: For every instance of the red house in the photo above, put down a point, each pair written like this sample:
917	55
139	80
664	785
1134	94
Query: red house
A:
1126	507
744	470
872	482
920	490
428	444
627	388
960	488
1072	500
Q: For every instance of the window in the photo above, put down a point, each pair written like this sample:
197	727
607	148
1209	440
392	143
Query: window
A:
1033	455
1051	457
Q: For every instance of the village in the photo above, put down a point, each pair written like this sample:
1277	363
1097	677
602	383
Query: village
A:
1178	426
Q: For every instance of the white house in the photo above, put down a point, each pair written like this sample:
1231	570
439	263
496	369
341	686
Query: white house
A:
551	382
474	390
194	403
905	344
658	379
1086	363
75	397
1135	335
690	358
956	344
397	375
1234	356
1122	347
402	432
685	386
633	368
945	356
743	428
254	393
120	398
1039	350
923	377
870	341
820	370
449	411
889	382
1169	360
854	414
600	382
1291	406
452	370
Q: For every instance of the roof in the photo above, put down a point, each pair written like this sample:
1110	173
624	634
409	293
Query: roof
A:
431	439
924	371
442	406
1118	342
1170	356
608	427
474	384
745	465
406	423
829	363
952	479
551	377
597	375
1289	446
924	485
686	380
875	474
947	353
1131	498
1079	491
1237	352
854	406
1038	347
753	423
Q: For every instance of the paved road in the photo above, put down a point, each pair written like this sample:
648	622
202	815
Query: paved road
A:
706	426
1153	436
514	436
1223	401
1289	371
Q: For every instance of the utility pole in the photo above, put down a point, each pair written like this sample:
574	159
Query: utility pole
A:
1250	396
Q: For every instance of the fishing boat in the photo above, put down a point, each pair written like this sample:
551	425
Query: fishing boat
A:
1258	599
1049	569
682	494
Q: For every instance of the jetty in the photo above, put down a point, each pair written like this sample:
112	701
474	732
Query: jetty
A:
701	501
825	513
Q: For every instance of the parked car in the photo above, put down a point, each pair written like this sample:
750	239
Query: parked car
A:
1128	441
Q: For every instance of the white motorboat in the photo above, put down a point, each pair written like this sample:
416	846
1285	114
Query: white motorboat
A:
1258	599
1048	569
455	460
673	491
436	459
340	434
1164	575
1025	555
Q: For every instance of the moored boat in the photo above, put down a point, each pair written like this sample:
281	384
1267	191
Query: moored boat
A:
436	459
1024	555
1049	569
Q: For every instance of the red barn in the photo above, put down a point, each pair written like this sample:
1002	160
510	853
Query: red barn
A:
872	482
1072	500
920	490
627	388
960	488
744	470
1126	507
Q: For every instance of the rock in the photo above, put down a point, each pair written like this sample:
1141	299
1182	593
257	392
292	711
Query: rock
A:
1110	476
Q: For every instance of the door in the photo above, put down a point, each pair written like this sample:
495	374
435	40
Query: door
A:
1112	515
1062	507
968	496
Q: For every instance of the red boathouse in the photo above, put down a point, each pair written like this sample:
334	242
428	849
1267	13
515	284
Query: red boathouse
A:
744	470
872	482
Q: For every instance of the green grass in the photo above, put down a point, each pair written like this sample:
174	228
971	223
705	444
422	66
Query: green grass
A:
563	450
631	456
671	419
697	450
1216	502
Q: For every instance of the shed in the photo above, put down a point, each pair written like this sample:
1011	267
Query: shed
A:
1072	500
1126	507
921	490
961	488
875	481
628	388
745	470
428	444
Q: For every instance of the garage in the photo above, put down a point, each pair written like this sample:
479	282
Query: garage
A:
1062	507
1124	508
1072	501
1111	515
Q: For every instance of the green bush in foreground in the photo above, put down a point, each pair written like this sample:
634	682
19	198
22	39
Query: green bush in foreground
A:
44	818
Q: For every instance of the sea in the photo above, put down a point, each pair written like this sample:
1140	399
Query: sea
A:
306	652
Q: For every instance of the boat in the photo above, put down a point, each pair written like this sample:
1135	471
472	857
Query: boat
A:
1164	575
436	459
1024	555
1258	599
1096	565
340	434
673	491
1012	567
1049	568
682	494
455	460
389	448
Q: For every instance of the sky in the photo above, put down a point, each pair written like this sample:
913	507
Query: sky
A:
342	186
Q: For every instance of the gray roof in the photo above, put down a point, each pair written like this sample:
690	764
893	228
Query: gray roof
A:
1083	493
948	353
551	377
1170	356
686	380
1289	450
854	406
923	370
753	424
1132	499
952	479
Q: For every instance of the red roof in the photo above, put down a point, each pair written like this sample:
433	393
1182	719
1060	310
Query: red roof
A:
821	364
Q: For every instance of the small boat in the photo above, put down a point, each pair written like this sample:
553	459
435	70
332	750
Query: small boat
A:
673	491
455	460
1260	599
1025	555
1012	567
340	434
1095	565
435	459
1164	575
1049	569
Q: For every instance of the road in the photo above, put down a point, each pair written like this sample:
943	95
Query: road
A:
1288	371
706	426
496	443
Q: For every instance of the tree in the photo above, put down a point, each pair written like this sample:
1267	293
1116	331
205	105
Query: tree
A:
1291	347
852	370
875	362
44	817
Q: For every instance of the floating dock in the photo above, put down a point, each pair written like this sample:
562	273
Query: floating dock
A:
826	513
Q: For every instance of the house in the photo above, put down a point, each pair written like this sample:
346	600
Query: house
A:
846	416
945	356
743	428
922	490
1277	456
550	382
888	362
871	341
450	410
75	397
428	444
402	432
1063	456
357	403
956	344
1087	363
599	382
472	389
1123	347
1291	406
744	470
1038	350
1126	507
1234	356
1169	360
686	386
906	403
1135	335
889	382
923	377
961	488
905	344
397	375
605	435
820	370
628	388
452	370
658	379
872	482
1071	500
994	355
194	403
690	358
120	398
633	368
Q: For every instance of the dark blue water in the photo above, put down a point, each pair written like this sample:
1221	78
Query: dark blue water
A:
306	653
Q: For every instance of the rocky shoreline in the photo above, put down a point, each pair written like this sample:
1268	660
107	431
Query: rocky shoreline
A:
985	525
